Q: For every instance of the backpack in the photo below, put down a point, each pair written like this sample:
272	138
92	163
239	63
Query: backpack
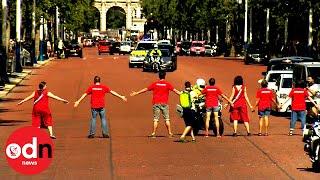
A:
185	99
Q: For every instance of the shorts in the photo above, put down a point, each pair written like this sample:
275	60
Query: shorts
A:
41	119
213	109
163	108
265	112
239	113
189	117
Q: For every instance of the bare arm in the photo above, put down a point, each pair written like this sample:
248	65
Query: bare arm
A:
118	95
79	100
257	102
57	97
139	92
316	105
27	98
176	91
226	98
232	94
246	97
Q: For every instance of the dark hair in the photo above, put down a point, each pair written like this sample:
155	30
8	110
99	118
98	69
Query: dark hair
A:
96	79
300	84
212	81
187	84
42	84
162	75
238	80
264	83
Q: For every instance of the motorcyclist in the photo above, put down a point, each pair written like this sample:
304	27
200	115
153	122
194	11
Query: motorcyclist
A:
155	51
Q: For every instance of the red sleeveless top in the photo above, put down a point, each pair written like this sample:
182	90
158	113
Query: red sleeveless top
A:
241	100
41	101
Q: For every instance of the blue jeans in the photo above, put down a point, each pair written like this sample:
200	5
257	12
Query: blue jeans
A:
104	124
295	115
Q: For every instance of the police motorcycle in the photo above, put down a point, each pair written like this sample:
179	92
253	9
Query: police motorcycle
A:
200	112
153	62
311	139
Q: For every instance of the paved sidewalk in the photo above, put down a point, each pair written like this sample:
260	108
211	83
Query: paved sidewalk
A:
16	78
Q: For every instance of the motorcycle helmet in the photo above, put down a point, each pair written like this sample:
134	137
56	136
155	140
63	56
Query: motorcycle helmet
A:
201	83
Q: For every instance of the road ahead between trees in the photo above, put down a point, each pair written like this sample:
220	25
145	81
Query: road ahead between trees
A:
130	153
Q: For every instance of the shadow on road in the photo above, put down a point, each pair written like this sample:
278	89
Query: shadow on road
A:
307	170
10	99
10	122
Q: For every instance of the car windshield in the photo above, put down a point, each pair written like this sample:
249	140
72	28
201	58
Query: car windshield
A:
125	43
197	44
315	73
284	66
165	53
274	77
186	44
145	46
287	83
105	43
164	46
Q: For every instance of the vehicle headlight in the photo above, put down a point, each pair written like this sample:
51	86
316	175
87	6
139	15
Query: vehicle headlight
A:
266	56
250	55
283	96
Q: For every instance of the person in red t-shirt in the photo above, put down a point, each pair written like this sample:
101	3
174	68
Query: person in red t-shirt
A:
298	95
97	92
265	97
161	89
212	94
41	114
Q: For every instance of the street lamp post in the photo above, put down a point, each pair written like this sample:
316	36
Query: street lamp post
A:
18	66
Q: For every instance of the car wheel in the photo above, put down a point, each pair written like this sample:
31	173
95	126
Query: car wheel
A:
246	62
130	65
99	53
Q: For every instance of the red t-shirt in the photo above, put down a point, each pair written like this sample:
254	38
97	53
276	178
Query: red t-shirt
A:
97	93
160	90
298	96
212	95
265	101
41	101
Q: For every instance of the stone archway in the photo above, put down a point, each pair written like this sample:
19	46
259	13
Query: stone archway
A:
115	17
129	6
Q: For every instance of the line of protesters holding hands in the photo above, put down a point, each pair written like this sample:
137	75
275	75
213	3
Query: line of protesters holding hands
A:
212	94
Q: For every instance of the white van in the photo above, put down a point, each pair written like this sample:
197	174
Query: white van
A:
273	76
284	84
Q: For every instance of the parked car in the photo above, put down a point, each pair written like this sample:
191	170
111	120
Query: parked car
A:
115	47
104	46
87	43
73	49
125	47
138	55
256	53
208	50
185	48
167	62
197	48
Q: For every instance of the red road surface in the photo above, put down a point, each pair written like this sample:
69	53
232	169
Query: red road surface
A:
129	154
